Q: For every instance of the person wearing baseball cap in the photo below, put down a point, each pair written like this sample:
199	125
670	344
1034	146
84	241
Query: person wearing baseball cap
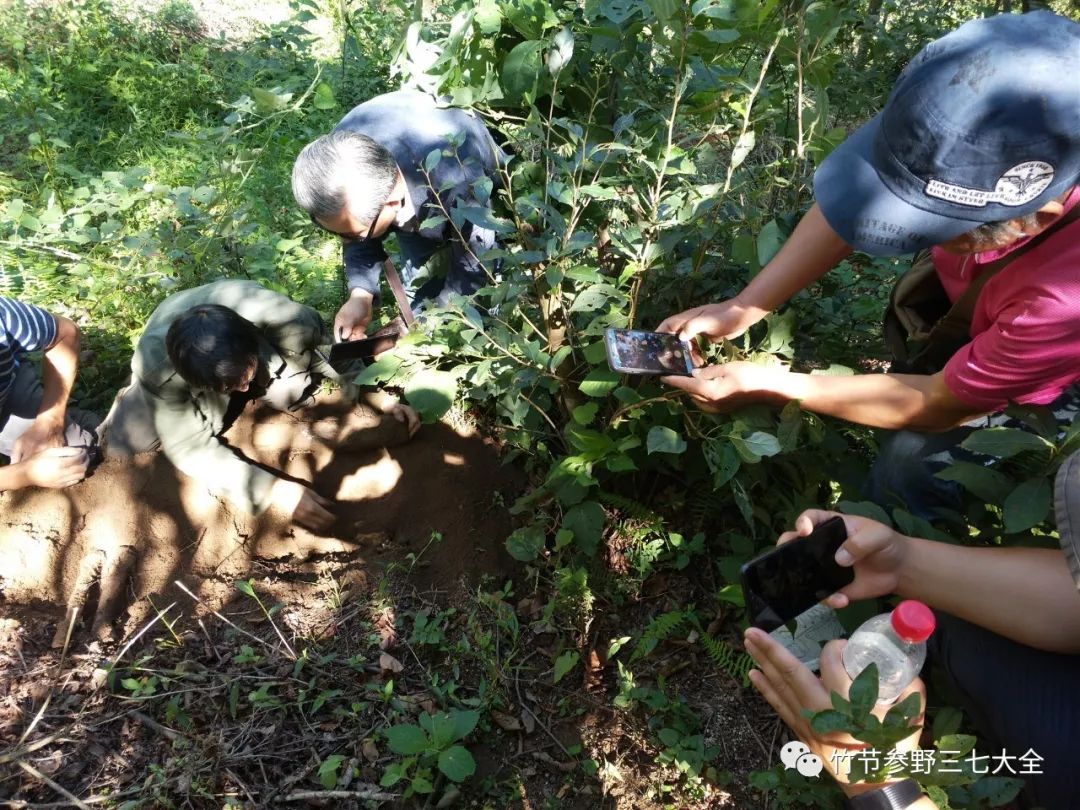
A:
976	155
1007	639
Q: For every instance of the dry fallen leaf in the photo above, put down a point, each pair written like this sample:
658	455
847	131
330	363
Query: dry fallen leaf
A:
594	671
387	663
506	722
384	622
369	750
528	721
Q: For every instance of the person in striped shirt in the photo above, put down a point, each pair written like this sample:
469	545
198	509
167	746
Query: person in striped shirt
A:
46	444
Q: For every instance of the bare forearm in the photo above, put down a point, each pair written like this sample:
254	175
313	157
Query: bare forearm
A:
13	476
59	367
811	251
891	401
1025	594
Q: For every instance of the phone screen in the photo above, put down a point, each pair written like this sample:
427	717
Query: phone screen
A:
632	351
341	354
792	578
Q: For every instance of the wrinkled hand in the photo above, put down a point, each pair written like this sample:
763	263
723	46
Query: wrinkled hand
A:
351	321
407	416
789	686
41	435
713	321
877	553
723	387
56	467
304	505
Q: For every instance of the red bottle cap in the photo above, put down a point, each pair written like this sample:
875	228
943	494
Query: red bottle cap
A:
913	621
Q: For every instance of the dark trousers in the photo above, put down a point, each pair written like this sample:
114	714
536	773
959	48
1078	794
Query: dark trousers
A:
22	406
453	268
903	474
1020	699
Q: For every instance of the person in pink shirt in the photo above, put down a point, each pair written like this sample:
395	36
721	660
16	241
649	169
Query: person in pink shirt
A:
976	153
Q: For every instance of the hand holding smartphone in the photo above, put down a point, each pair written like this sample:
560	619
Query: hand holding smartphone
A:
789	579
632	351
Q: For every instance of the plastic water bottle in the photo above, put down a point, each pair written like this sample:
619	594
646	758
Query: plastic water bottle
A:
896	642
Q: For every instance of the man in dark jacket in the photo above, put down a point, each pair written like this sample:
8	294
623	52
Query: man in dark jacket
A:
399	163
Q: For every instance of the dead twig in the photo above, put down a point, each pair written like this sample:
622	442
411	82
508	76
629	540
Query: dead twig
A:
154	725
34	772
370	793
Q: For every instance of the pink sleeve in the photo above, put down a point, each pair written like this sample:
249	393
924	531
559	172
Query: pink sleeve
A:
1028	355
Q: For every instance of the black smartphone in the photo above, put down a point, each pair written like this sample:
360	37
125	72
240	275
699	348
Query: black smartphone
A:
631	351
789	579
341	354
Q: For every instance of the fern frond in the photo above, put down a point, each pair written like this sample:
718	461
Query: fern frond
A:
661	627
734	662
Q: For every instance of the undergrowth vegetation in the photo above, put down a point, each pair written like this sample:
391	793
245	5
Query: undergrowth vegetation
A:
662	151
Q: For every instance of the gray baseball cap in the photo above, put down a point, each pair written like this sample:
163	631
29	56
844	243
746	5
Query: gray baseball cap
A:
982	126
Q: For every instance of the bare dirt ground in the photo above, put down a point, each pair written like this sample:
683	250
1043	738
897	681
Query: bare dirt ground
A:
156	694
120	540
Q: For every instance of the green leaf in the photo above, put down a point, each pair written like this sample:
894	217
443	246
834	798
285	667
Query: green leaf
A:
436	221
328	769
394	773
482	189
431	393
584	414
1003	442
407	739
960	744
433	158
382	370
722	459
599	382
488	16
863	693
830	720
664	440
324	97
946	721
521	68
995	791
1027	505
586	521
267	101
464	722
619	11
439	727
670	737
525	544
664	9
716	9
421	784
564	663
769	241
756	445
984	483
245	587
457	763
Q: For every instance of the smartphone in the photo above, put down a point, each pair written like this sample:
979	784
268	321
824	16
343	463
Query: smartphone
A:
631	351
366	349
789	579
342	354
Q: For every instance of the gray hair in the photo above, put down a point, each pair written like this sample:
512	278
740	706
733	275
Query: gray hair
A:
343	168
993	233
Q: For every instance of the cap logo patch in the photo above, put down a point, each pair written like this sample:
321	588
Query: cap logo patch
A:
1019	185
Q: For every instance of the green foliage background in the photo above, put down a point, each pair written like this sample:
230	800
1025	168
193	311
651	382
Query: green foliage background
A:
662	152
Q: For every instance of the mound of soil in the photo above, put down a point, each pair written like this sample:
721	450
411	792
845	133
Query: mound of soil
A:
114	546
